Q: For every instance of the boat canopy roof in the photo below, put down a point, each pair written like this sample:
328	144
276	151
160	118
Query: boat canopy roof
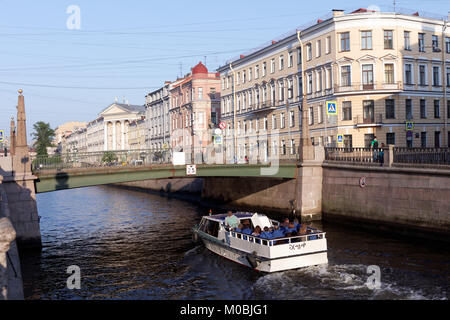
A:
239	215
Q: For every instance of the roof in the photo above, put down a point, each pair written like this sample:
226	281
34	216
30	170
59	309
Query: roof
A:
127	107
199	68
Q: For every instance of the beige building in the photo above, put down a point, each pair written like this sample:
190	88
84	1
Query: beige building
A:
383	70
137	134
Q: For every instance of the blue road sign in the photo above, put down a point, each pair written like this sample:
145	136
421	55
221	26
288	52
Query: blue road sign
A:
409	126
2	136
217	140
331	107
340	138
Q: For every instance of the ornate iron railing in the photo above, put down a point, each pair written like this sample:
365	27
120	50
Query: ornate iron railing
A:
439	156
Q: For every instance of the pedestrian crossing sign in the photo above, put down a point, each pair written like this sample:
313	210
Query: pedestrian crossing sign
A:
409	126
340	138
2	137
331	107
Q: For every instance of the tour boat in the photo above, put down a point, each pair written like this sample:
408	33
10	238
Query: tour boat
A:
261	254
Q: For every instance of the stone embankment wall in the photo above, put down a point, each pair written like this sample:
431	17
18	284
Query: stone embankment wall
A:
401	199
11	286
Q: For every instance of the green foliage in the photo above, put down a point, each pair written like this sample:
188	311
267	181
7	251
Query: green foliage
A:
43	135
109	157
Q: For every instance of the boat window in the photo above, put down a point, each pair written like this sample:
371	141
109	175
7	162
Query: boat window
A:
212	228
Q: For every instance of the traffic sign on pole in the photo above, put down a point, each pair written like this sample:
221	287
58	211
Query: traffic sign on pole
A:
222	125
2	136
331	107
340	138
409	126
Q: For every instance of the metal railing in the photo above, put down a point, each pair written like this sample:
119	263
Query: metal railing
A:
438	156
212	155
357	86
355	155
360	120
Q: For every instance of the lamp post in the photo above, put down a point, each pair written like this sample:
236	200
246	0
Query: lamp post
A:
234	113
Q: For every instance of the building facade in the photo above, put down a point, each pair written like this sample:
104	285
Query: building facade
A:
194	109
157	104
385	71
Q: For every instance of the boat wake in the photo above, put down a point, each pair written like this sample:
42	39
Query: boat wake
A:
338	282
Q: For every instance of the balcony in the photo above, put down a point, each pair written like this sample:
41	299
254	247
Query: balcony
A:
368	87
366	122
263	106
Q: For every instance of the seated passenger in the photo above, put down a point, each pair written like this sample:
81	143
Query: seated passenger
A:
266	234
246	229
231	220
285	224
277	233
302	230
290	229
296	224
239	228
257	231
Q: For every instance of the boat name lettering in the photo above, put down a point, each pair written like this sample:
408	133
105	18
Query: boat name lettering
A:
297	246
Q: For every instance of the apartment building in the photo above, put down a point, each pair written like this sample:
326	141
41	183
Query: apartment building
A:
384	70
157	114
194	108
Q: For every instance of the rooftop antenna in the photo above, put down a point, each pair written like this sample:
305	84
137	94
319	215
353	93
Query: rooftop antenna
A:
205	60
395	6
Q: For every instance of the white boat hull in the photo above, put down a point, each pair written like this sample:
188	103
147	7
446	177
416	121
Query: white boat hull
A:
266	265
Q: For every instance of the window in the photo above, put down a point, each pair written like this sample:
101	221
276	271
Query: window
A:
265	123
292	146
390	109
281	62
318	48
388	39
282	121
390	138
250	74
308	52
422	75
408	109
347	110
311	115
328	78
348	141
366	40
448	109
281	91
319	114
290	89
422	42
447	45
292	117
214	117
437	139
448	77
274	121
200	93
435	43
283	147
345	41
291	59
243	76
368	111
437	109
310	83
328	45
238	80
408	73
272	66
423	139
319	81
436	81
264	69
367	73
257	72
407	37
346	76
423	109
389	73
299	56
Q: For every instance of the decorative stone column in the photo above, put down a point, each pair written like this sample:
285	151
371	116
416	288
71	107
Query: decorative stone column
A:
122	135
114	136
105	136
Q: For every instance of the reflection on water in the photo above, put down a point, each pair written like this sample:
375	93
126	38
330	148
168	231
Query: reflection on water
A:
132	245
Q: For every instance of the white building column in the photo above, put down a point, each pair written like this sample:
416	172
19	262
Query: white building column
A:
105	144
114	136
122	131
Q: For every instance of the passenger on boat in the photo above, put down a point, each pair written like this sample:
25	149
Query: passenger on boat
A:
257	231
290	229
296	224
247	229
285	224
266	234
277	233
239	228
231	220
302	230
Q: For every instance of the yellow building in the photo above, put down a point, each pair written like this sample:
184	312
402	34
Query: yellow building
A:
384	71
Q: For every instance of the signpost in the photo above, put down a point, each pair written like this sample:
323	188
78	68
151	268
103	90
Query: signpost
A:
218	140
191	169
409	126
331	107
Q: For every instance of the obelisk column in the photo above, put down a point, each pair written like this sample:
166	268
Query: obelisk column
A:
20	189
12	138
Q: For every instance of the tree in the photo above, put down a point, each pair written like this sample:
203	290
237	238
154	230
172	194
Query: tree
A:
43	135
109	157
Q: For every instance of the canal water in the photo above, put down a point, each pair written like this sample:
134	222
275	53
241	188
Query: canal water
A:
134	245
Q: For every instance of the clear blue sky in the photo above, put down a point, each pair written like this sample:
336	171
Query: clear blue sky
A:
132	47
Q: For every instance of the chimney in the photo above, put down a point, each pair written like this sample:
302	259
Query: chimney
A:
338	12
